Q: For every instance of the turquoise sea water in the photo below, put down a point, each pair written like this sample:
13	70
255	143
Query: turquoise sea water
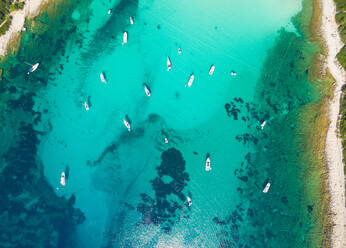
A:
132	186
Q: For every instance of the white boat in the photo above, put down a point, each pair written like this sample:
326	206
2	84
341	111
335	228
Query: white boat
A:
233	73
211	70
33	67
189	202
169	65
263	124
86	106
147	90
179	50
127	125
189	83
62	179
131	20
109	11
207	164
166	140
266	189
124	38
102	77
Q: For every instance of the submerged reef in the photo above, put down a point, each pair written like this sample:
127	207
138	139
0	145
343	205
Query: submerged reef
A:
169	201
31	213
279	157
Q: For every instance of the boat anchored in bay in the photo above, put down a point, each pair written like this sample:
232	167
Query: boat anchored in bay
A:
124	38
211	70
127	123
169	64
147	90
191	79
103	78
207	163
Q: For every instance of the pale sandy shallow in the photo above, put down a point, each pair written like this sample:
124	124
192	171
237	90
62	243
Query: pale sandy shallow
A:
333	143
31	7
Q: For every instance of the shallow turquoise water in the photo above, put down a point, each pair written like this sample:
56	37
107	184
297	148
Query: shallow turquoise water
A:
233	35
109	167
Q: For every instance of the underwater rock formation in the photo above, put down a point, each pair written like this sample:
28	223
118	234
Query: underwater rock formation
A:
167	205
31	214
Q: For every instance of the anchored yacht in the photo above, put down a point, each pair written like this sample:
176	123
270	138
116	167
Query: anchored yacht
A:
86	106
207	164
103	78
189	202
124	38
211	70
147	90
33	67
127	124
62	179
169	65
263	124
131	20
179	50
189	83
266	189
233	73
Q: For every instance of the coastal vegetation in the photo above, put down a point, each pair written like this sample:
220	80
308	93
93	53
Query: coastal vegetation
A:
341	20
6	7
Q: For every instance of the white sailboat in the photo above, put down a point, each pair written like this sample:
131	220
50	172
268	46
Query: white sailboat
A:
169	65
266	189
33	67
179	50
127	124
86	106
211	70
189	83
124	38
207	164
233	73
263	124
189	202
131	20
147	90
62	179
103	78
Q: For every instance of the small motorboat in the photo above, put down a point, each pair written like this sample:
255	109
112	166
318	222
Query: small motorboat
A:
169	64
207	164
109	11
211	70
179	50
124	38
166	140
266	189
189	202
263	124
233	73
103	78
33	67
131	20
127	124
147	90
62	179
189	83
86	106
